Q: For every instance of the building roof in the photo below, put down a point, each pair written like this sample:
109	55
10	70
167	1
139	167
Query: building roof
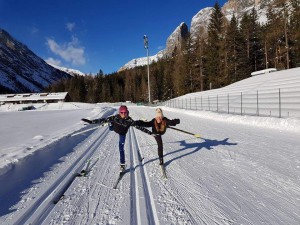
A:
33	96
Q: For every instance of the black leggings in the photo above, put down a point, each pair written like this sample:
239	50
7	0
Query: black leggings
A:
159	146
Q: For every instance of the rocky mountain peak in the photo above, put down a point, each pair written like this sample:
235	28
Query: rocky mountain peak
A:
175	39
21	70
200	22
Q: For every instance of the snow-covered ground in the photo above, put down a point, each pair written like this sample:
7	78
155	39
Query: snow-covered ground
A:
275	94
243	169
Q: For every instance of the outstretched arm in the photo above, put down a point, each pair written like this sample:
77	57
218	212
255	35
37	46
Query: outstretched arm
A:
98	121
143	123
173	122
143	129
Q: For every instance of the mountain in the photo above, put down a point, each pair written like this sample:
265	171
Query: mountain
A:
245	6
141	61
23	71
200	23
174	40
72	72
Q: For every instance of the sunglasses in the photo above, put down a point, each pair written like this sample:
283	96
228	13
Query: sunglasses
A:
123	113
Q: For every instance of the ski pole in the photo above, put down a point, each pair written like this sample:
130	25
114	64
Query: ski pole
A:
93	128
186	132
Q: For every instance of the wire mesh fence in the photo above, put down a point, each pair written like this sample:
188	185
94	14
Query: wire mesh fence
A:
282	103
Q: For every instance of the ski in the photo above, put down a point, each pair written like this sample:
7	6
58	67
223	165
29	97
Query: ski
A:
186	132
163	170
85	171
118	179
57	200
88	168
87	121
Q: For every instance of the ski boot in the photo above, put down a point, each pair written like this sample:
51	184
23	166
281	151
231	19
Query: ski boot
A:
122	168
161	161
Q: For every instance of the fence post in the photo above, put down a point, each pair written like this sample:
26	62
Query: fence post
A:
257	109
279	103
217	103
201	104
228	102
241	103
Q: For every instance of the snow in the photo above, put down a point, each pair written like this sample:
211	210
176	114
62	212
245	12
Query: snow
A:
243	169
67	70
270	94
142	61
200	20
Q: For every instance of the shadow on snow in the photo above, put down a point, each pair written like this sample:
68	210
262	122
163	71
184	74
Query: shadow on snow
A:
191	148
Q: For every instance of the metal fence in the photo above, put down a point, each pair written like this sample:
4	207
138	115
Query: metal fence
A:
281	103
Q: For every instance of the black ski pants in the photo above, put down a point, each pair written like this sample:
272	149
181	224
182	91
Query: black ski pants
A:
159	146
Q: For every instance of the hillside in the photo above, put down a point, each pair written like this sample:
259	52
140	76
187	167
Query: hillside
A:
272	94
21	70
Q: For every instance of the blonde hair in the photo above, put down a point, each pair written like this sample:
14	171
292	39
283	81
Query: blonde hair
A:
159	113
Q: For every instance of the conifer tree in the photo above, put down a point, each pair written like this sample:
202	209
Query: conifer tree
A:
236	56
295	33
215	57
179	72
251	32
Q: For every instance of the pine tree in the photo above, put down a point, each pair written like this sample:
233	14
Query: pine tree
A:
251	32
277	35
179	72
215	57
295	33
237	60
189	82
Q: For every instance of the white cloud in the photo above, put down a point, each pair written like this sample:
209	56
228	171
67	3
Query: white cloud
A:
70	52
70	26
52	61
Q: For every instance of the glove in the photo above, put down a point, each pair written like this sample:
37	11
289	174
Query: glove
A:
176	121
110	126
87	121
100	121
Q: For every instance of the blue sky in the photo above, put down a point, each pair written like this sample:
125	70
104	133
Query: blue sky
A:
90	35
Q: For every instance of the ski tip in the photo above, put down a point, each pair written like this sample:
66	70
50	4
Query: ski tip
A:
57	200
197	135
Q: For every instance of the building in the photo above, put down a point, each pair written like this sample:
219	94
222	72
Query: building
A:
30	98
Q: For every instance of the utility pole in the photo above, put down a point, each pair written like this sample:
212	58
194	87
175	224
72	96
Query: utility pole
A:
147	49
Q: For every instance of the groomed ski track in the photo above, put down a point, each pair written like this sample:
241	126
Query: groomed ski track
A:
226	177
133	196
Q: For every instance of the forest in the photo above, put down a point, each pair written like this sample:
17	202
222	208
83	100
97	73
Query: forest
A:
228	51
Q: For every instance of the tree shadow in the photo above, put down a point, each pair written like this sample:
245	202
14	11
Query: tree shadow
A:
207	144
